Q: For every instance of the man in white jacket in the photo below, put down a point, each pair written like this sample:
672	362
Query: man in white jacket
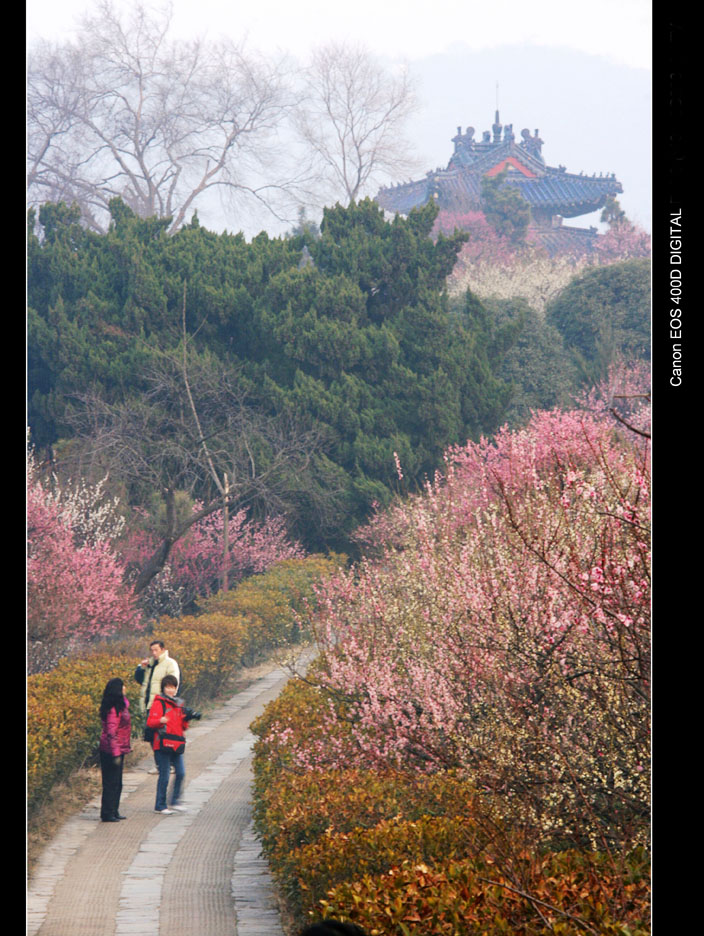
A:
150	672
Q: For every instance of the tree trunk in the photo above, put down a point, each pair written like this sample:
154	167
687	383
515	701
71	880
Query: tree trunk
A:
225	536
157	560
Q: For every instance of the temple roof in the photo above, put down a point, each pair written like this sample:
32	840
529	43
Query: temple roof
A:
548	190
567	240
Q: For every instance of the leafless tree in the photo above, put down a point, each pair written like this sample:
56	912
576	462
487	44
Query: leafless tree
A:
126	111
54	98
351	118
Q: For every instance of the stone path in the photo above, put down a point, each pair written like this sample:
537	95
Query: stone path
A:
199	873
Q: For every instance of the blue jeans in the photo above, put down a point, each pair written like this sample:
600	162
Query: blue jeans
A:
164	759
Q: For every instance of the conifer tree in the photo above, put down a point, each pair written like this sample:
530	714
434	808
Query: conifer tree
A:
357	351
505	208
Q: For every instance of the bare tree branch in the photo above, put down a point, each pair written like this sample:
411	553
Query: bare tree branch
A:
187	385
352	116
126	111
640	432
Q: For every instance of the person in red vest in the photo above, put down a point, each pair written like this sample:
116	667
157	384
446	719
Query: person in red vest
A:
169	718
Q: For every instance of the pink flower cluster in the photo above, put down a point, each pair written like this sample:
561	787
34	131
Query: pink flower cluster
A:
72	590
484	244
623	242
500	622
197	560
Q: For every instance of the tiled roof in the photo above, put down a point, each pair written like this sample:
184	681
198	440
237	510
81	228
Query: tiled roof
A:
457	188
567	194
570	240
401	198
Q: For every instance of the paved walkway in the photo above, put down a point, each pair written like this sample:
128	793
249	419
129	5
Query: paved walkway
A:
198	873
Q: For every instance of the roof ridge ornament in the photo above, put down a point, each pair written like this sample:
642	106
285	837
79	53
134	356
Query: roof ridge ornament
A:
533	144
496	128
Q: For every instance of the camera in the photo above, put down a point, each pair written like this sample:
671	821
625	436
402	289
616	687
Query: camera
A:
188	713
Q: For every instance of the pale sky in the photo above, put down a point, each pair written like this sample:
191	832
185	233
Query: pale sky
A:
619	30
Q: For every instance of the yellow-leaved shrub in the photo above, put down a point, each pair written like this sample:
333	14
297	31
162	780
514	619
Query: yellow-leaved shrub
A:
275	601
414	854
63	725
559	894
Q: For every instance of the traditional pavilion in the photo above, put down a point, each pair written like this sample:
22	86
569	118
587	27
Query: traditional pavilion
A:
552	193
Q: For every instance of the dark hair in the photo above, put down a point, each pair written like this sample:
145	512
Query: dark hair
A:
333	928
160	642
169	680
112	697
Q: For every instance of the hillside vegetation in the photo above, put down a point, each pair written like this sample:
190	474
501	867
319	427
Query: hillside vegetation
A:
213	422
354	353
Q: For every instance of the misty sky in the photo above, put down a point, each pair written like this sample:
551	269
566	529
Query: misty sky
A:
584	75
619	30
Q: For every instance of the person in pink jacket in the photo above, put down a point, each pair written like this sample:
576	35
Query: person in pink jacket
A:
114	744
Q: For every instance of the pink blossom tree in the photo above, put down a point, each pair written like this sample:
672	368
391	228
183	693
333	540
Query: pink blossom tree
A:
74	579
624	239
198	560
485	245
500	626
622	242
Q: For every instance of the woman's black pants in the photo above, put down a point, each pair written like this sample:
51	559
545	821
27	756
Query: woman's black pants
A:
112	785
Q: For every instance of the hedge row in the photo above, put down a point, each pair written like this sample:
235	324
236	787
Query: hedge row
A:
262	613
408	854
560	894
63	726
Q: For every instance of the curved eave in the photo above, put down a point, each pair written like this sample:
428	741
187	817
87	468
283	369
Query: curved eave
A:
460	189
402	198
569	196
